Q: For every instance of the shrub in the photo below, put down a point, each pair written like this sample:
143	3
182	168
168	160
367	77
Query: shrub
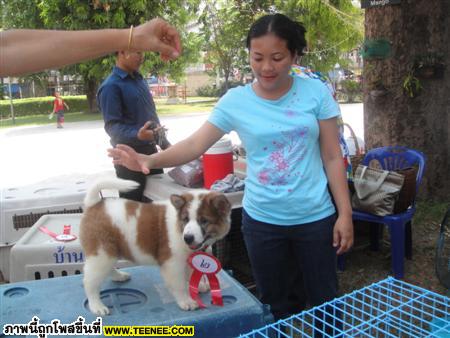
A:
207	91
351	88
41	105
212	91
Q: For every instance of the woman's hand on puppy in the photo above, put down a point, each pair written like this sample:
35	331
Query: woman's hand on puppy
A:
126	156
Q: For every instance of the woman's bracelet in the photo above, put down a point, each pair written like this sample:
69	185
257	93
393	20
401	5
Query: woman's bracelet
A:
130	36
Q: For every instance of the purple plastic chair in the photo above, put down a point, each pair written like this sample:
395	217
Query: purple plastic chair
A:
393	158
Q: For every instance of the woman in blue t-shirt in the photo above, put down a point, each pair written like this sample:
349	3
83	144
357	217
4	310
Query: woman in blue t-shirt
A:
288	127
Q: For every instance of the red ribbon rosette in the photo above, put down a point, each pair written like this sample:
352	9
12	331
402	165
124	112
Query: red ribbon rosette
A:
205	264
66	236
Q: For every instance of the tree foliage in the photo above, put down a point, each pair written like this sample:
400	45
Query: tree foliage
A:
223	26
96	14
333	28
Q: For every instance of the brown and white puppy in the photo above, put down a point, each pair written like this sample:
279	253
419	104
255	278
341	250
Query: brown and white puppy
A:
163	233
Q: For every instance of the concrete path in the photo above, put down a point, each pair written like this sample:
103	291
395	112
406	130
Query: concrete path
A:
42	154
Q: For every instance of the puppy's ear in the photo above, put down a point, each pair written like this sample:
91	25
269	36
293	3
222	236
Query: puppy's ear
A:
177	201
221	203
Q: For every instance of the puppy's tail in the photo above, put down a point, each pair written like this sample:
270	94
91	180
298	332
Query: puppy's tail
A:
93	194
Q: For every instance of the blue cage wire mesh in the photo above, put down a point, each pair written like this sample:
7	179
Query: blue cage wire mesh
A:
389	308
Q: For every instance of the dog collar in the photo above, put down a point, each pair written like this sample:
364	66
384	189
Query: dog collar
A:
204	248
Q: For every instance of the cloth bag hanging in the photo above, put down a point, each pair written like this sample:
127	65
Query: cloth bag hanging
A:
376	190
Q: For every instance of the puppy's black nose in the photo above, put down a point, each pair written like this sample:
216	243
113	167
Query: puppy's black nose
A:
188	238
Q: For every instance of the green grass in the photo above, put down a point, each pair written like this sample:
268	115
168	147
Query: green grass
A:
190	99
194	105
41	105
430	211
43	119
177	109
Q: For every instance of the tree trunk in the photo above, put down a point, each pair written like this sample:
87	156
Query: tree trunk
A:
226	83
413	27
91	86
2	86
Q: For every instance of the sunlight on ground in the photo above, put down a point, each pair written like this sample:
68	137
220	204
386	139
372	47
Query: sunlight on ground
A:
35	154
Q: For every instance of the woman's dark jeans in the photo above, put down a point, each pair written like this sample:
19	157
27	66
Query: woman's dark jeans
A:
292	265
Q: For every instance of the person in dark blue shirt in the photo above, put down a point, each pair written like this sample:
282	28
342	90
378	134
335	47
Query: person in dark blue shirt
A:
130	116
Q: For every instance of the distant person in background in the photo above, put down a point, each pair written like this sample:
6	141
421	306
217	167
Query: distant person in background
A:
31	50
129	113
58	108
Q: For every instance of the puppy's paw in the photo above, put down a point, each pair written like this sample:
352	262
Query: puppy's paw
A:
188	304
98	308
203	286
120	276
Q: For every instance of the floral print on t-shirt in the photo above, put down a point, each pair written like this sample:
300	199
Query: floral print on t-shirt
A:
283	154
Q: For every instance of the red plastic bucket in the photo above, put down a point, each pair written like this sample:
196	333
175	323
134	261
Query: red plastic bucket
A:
217	162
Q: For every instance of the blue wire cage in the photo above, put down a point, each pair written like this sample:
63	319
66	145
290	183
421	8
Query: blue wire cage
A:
389	308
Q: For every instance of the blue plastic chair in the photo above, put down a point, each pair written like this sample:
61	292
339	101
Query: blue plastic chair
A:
394	158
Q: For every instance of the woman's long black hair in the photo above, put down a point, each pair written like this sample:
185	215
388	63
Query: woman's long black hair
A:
291	31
